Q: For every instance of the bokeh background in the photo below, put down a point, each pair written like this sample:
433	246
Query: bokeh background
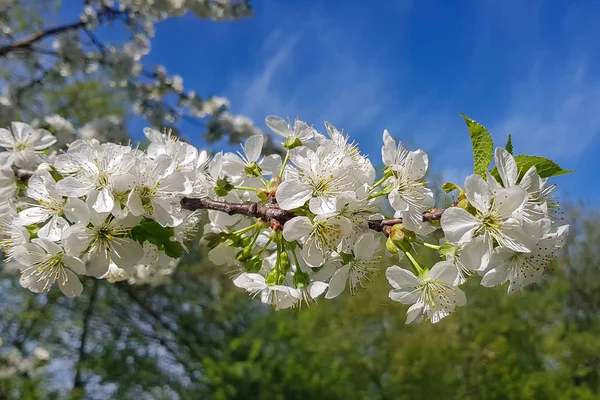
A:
524	68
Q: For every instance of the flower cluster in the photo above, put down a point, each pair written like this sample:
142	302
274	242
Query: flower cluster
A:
293	228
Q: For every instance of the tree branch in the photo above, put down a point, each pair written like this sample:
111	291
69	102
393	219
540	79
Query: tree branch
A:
78	382
278	217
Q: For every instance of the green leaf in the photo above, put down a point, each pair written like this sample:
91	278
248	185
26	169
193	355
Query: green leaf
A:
151	231
509	146
449	186
545	168
483	146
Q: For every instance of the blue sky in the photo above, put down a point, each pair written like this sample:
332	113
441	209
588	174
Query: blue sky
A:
522	67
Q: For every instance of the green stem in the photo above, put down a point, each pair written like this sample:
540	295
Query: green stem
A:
265	246
245	188
244	230
414	263
285	161
379	182
373	195
432	246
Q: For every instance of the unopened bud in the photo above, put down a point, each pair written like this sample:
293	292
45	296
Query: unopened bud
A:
244	254
284	262
391	247
397	234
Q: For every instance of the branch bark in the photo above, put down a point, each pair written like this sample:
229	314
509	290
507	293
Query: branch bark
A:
278	217
78	382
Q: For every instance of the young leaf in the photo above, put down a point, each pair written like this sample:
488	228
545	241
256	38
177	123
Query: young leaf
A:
449	186
545	168
160	236
483	146
509	146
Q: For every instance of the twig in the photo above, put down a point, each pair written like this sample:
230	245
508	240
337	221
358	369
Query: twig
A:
78	382
278	217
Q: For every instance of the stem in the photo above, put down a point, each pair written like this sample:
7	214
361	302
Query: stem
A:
378	194
432	246
379	182
414	263
285	161
244	230
245	188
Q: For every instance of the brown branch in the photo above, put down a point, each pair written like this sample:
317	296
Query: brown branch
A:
78	381
278	217
30	40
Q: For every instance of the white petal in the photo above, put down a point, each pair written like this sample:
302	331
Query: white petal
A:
495	276
7	140
104	201
77	211
366	245
253	147
126	253
316	289
417	163
278	125
444	271
31	216
74	264
72	286
297	228
312	254
478	193
53	229
270	164
401	278
76	239
292	194
507	201
74	187
475	255
414	313
458	225
507	167
337	283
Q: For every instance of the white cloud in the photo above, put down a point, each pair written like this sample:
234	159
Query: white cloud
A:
555	111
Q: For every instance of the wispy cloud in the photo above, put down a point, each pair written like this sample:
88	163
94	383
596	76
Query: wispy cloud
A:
314	71
555	110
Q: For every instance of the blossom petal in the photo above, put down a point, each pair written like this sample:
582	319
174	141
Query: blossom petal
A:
292	194
77	211
401	278
278	125
458	225
253	147
126	253
337	283
444	271
53	229
297	228
71	286
507	167
32	216
478	193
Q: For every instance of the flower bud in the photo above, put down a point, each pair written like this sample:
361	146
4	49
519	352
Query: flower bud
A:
390	246
397	234
254	264
244	254
284	262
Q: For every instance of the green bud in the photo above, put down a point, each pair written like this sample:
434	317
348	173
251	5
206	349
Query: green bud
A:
253	170
272	277
254	263
244	254
397	234
292	142
284	262
391	247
